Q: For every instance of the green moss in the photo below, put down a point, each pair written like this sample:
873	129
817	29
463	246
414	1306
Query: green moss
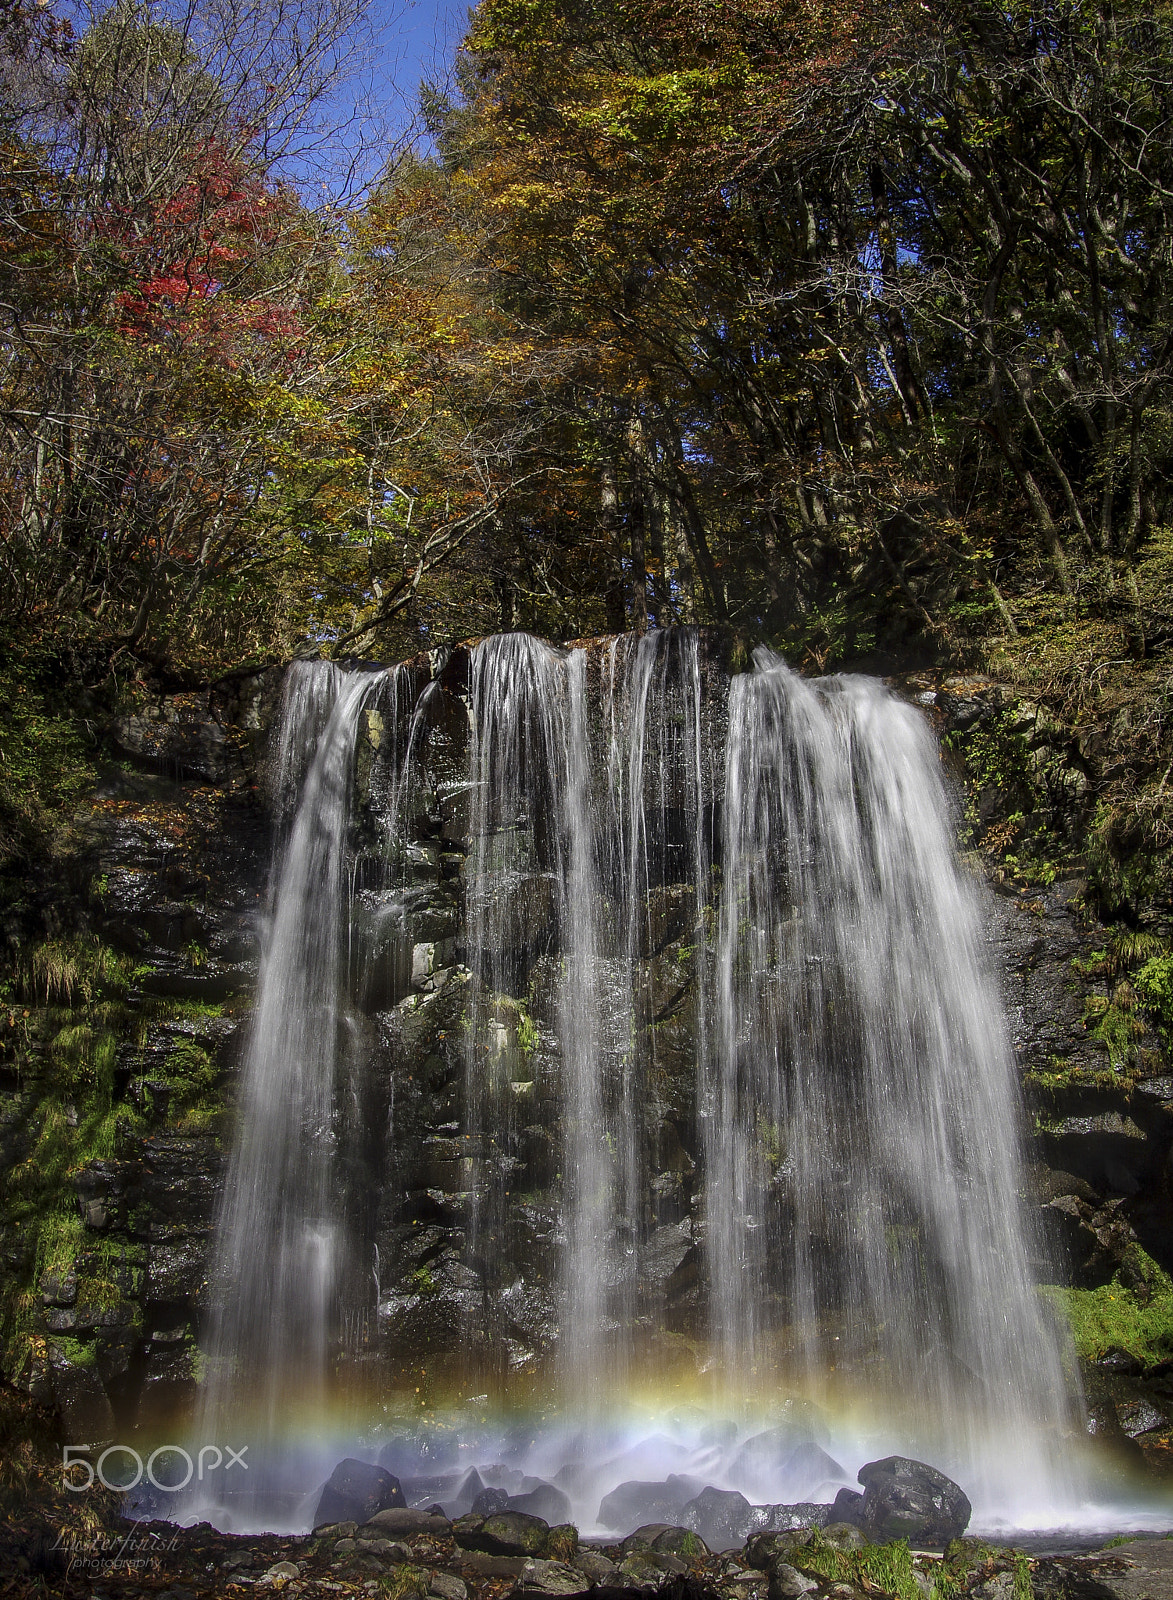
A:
527	1032
995	756
60	1237
1153	984
1061	1077
404	1580
1113	1027
69	971
1127	865
562	1542
190	1069
965	1558
47	760
1133	1313
76	1351
877	1566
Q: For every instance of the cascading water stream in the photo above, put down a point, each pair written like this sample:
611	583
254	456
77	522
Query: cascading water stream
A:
862	1129
674	883
278	1241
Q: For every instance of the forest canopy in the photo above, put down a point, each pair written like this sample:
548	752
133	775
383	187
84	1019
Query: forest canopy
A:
848	327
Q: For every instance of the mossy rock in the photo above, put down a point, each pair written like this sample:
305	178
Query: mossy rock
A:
681	1542
967	1554
764	1550
561	1542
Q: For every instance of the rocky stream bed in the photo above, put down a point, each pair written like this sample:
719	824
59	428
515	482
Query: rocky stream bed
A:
397	1555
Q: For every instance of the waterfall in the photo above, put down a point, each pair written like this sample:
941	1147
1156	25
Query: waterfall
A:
278	1243
718	951
532	879
588	814
862	1123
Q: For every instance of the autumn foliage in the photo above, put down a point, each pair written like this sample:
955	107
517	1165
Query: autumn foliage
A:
845	325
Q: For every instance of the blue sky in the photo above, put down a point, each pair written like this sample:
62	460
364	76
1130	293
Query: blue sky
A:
417	40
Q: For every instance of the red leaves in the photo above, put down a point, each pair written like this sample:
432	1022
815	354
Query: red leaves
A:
183	252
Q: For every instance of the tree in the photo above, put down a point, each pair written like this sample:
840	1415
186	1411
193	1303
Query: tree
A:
155	285
855	284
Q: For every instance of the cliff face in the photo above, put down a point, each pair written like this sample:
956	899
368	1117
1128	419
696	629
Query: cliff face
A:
129	1009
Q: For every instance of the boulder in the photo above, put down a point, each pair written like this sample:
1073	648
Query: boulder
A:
385	1549
761	1462
906	1499
681	1542
644	1538
635	1504
447	1586
809	1468
722	1517
552	1577
647	1569
765	1550
357	1491
404	1522
545	1501
1137	1417
844	1536
847	1507
787	1583
505	1533
598	1567
490	1500
465	1495
785	1518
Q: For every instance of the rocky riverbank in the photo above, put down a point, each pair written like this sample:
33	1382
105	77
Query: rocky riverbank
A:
156	1561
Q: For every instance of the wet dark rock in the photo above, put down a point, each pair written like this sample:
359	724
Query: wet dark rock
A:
635	1503
357	1490
787	1583
402	1522
682	1542
646	1568
844	1536
483	1565
82	1402
169	1383
1137	1417
783	1518
505	1533
59	1288
847	1506
598	1567
762	1550
489	1501
552	1577
447	1586
177	1270
722	1517
1109	1150
545	1501
644	1538
385	1549
905	1499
